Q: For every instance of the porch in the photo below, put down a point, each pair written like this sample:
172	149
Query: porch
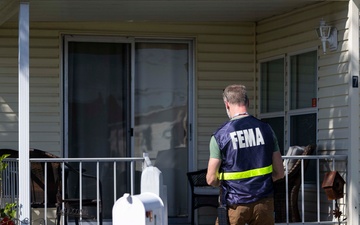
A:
314	207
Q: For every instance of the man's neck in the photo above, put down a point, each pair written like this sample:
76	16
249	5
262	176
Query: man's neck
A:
239	114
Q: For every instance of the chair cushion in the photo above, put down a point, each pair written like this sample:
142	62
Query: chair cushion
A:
292	151
206	190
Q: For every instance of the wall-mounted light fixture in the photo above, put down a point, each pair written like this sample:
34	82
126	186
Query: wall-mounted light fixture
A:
327	34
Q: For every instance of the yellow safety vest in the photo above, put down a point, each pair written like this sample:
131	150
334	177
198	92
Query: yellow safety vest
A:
245	174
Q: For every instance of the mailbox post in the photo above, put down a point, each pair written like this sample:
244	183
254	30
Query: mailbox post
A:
143	209
147	208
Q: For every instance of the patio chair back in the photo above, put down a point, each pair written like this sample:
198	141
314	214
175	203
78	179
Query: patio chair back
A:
201	193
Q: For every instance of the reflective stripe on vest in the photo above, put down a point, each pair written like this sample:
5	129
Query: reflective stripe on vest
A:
245	174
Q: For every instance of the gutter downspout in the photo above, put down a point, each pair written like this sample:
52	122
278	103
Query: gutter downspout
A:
23	67
353	152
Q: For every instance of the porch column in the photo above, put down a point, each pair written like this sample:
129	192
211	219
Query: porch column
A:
354	148
24	164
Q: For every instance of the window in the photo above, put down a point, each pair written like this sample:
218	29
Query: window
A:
302	80
272	86
272	96
288	88
302	101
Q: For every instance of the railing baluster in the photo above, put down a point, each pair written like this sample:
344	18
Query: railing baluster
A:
132	171
81	192
286	191
318	188
114	179
333	169
45	191
302	191
62	212
97	192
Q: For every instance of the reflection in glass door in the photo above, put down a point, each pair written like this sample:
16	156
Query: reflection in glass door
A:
161	115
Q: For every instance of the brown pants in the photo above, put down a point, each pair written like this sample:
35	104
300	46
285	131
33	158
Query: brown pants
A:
256	213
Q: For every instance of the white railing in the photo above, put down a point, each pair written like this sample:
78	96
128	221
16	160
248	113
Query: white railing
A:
60	210
313	206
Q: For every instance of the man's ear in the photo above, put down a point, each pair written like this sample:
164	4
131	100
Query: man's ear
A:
227	105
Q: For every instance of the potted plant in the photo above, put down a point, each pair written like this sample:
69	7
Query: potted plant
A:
8	212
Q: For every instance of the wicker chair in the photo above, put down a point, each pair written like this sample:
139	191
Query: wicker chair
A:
294	183
201	193
54	187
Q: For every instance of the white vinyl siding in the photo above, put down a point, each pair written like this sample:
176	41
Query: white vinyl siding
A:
45	123
45	92
9	88
224	54
295	32
281	35
220	63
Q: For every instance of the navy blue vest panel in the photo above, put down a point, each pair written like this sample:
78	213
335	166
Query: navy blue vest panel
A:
245	144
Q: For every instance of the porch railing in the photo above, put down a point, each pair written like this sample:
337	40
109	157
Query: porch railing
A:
132	166
313	205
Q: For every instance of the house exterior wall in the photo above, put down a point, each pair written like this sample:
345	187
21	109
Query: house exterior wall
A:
45	113
295	32
224	54
281	36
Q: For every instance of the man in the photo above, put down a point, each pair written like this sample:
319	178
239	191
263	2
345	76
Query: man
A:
244	161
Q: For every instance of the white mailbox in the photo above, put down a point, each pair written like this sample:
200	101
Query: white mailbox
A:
144	209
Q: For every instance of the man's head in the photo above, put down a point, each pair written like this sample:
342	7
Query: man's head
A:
235	94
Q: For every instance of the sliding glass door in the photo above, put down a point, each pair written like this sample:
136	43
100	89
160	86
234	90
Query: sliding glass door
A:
124	98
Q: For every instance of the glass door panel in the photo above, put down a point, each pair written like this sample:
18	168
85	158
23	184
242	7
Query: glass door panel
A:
97	96
161	108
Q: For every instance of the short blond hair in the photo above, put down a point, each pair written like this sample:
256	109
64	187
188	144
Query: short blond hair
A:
236	94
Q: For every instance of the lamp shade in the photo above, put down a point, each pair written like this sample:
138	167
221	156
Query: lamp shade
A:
323	31
327	34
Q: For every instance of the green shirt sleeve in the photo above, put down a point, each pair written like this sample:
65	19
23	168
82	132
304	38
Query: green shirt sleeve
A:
276	142
214	149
